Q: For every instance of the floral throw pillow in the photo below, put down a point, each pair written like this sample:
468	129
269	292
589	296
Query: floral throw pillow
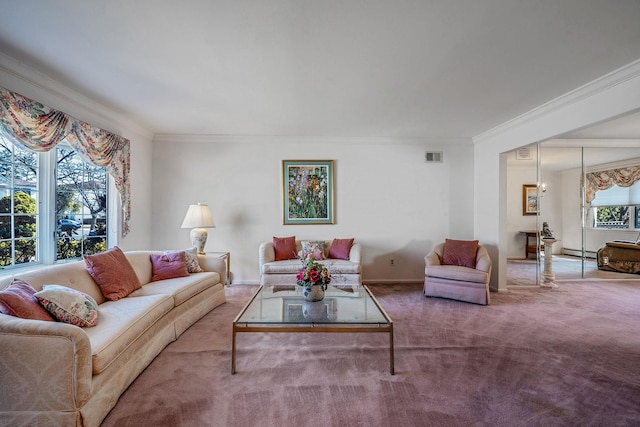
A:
313	248
69	305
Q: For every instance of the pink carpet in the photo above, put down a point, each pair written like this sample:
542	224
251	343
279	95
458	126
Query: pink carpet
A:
568	357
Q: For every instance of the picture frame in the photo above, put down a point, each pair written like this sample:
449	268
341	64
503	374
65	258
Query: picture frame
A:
529	199
307	192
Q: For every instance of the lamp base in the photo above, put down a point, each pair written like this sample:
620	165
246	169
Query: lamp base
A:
198	239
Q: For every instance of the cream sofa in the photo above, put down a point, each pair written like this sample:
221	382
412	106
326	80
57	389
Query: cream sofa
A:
57	374
343	272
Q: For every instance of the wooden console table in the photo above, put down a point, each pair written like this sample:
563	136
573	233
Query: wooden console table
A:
532	248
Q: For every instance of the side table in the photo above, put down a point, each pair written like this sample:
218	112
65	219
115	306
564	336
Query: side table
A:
226	256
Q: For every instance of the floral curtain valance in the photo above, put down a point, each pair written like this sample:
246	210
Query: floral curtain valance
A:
601	180
41	128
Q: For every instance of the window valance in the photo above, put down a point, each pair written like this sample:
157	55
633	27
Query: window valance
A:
602	180
41	128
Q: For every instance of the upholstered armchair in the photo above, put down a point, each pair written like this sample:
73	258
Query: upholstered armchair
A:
459	271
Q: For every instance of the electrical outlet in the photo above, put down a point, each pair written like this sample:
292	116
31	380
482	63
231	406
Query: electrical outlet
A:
392	261
605	260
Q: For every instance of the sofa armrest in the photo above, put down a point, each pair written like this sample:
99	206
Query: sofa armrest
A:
355	254
43	365
266	253
483	260
432	259
213	263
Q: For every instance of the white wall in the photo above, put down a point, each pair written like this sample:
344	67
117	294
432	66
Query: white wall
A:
386	197
30	83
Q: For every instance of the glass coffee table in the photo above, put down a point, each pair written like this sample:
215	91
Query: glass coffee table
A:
282	309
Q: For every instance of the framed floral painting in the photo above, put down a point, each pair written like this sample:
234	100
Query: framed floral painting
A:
307	188
529	199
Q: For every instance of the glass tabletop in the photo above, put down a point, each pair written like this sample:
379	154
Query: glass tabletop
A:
348	305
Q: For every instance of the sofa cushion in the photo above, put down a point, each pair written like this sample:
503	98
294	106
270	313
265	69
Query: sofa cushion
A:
285	248
113	273
122	322
460	252
181	288
69	305
293	266
193	266
312	248
18	300
340	248
455	272
168	266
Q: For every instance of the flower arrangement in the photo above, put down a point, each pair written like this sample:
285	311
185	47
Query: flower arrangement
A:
313	273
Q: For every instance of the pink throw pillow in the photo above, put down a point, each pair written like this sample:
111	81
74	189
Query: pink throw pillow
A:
285	248
168	266
460	252
113	273
340	248
18	300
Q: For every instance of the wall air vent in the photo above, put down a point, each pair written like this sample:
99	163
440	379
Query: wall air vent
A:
524	153
433	157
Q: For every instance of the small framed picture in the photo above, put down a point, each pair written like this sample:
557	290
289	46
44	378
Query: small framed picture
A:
529	199
307	192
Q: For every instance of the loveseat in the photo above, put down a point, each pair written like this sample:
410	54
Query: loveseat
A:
59	374
344	271
621	256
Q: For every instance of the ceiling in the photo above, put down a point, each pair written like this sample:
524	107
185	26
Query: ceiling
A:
443	69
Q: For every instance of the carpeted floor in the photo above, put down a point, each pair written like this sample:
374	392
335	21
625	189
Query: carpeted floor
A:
522	272
534	357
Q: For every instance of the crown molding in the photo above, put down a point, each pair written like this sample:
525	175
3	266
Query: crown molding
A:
37	82
600	85
288	139
592	143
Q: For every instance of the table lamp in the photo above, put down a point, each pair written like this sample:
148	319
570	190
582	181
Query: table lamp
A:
197	218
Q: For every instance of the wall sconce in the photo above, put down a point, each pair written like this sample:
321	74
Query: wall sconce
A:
543	189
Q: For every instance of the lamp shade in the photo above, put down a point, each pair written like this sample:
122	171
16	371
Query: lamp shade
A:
198	216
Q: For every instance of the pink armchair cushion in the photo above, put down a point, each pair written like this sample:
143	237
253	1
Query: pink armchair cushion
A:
285	248
460	252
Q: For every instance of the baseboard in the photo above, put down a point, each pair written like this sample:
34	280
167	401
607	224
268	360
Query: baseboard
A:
578	253
392	281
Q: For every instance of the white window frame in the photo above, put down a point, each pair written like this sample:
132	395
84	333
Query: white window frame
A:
46	225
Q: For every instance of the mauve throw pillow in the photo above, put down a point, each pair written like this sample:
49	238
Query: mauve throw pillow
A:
168	266
193	265
460	252
340	248
113	273
285	248
18	300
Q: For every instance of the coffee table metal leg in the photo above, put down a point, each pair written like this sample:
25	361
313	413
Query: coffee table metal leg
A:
391	349
233	350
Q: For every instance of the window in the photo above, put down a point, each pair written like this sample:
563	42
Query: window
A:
617	207
18	204
75	216
612	217
81	205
